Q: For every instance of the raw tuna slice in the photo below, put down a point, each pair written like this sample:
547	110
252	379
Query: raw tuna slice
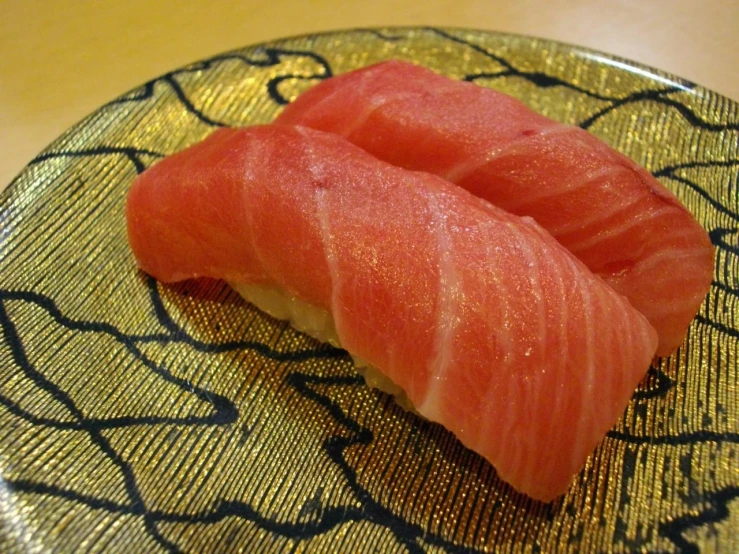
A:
609	212
489	326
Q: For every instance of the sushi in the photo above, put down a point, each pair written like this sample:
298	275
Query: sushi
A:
612	214
477	317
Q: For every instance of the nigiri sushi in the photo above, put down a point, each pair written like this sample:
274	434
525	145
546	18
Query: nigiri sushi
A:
612	214
483	321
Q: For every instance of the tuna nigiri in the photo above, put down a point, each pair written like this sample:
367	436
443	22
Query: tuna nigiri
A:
612	214
485	322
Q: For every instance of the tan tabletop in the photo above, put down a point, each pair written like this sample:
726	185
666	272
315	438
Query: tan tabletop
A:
60	59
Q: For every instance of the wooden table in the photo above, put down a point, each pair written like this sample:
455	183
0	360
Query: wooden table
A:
61	59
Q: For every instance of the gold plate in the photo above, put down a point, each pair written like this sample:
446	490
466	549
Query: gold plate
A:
136	417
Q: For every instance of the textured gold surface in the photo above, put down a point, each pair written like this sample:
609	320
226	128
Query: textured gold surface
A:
136	417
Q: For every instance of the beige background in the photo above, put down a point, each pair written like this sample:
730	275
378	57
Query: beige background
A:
60	59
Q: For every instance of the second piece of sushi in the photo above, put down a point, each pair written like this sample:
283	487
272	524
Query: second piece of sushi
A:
612	214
